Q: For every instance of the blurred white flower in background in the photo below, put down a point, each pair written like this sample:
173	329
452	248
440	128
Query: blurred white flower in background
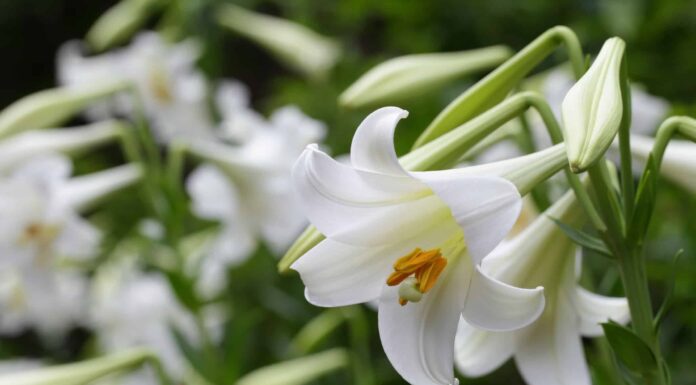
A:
171	88
678	162
246	186
38	228
130	308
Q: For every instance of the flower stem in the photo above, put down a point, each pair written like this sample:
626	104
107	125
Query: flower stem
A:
628	192
492	89
630	263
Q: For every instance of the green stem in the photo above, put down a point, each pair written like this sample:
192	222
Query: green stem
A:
175	168
677	124
625	145
360	342
492	89
631	265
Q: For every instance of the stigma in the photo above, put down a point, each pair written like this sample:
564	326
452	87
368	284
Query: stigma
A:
416	273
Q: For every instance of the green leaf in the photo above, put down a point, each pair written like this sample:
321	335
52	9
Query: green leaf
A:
584	239
184	290
645	202
630	350
669	297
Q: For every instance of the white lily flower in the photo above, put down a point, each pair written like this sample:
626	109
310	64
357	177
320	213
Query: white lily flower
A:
39	229
249	189
549	351
413	239
678	162
170	87
593	108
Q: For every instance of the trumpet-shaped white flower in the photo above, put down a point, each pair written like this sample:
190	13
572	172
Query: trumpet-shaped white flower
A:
414	240
249	189
549	351
172	91
39	229
678	162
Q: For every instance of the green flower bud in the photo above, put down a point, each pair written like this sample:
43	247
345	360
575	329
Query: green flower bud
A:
82	372
119	22
412	76
298	371
52	107
296	45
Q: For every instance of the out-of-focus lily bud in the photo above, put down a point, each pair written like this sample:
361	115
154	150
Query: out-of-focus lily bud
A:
593	108
52	107
119	22
298	371
411	76
299	47
81	372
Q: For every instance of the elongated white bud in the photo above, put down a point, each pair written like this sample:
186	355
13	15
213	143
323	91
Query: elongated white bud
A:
52	107
592	109
84	191
26	145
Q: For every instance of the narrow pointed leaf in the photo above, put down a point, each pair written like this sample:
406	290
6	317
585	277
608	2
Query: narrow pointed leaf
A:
584	239
630	349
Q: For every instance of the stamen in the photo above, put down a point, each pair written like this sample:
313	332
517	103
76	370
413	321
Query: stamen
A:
428	276
416	273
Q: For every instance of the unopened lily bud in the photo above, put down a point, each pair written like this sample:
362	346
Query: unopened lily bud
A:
52	107
26	145
413	75
298	371
81	372
85	191
119	22
296	45
593	108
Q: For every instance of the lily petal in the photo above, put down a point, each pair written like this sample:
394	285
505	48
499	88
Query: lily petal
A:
78	239
593	309
497	306
479	352
373	144
47	171
552	353
486	208
338	274
418	338
357	207
213	196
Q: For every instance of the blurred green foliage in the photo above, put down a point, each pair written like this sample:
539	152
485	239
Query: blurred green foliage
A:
268	309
